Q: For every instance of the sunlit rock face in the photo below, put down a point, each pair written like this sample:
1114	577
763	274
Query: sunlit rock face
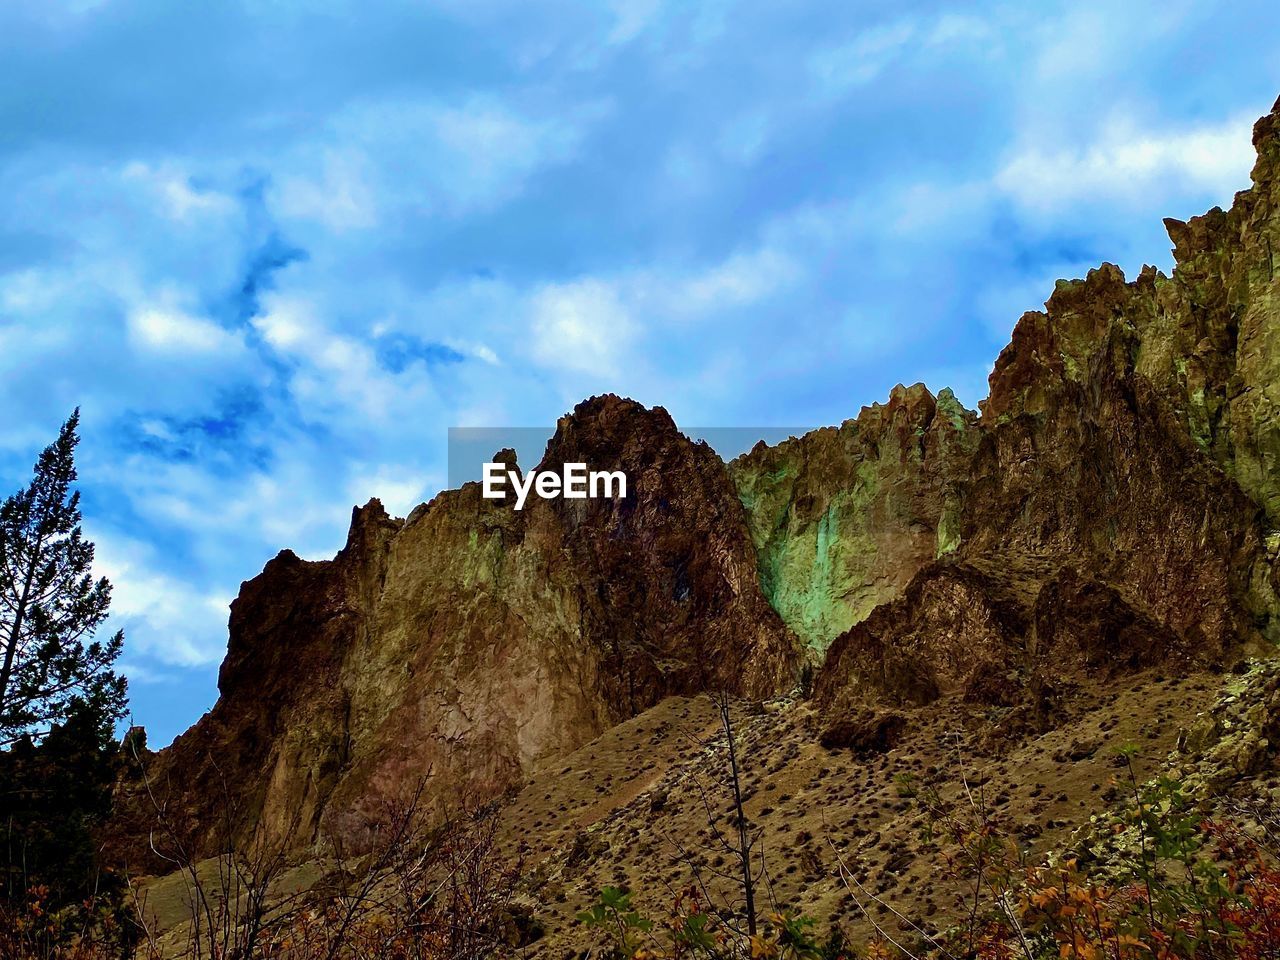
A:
472	641
1118	507
843	518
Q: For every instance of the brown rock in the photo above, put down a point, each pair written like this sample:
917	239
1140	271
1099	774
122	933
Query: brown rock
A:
476	641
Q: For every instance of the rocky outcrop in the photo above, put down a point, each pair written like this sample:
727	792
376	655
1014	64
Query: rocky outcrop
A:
464	646
1085	459
844	517
1119	505
982	637
1214	340
1237	738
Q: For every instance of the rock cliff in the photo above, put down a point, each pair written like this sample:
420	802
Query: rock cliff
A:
843	517
471	641
1119	504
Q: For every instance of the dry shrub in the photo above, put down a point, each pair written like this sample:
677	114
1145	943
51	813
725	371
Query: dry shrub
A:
1157	878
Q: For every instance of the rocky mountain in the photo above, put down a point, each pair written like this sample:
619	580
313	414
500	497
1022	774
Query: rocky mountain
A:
1114	508
1119	506
471	641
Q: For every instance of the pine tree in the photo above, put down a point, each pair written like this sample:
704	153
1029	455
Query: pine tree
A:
54	794
50	605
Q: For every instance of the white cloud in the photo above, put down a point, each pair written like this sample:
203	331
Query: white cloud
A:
400	488
180	199
163	617
1125	161
494	148
926	209
28	291
478	350
861	60
298	505
581	326
841	68
161	329
376	159
287	325
741	279
631	17
334	375
953	28
142	673
339	196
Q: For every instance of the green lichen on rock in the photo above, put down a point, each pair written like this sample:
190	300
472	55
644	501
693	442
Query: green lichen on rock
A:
817	575
951	407
1210	333
1236	738
948	529
842	518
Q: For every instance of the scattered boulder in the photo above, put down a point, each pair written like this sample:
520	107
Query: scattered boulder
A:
868	731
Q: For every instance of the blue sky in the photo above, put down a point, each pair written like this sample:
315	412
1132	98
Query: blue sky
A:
274	249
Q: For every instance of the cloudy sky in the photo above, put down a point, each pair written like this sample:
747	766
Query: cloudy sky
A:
275	249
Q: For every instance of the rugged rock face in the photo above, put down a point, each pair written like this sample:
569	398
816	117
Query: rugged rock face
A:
472	641
1215	340
1119	505
843	518
960	632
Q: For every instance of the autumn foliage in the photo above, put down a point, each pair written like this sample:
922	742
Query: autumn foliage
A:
1157	877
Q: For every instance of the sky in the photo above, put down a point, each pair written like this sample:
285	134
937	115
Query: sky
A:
274	250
